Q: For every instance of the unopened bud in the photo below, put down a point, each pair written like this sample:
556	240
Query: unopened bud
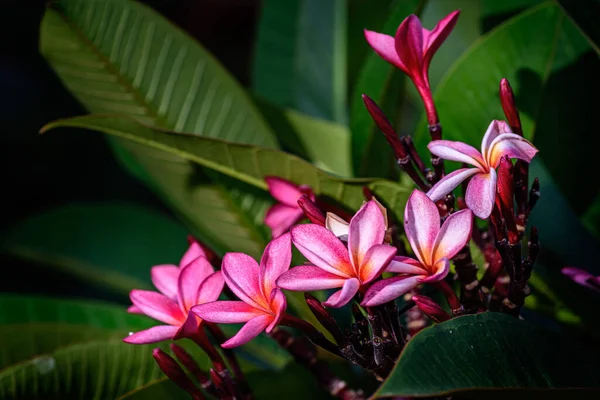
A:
191	365
386	127
175	373
507	99
505	197
311	210
431	308
324	318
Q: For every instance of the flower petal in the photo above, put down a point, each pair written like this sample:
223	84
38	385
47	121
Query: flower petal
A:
384	46
164	278
581	277
481	193
305	278
449	182
152	335
280	218
343	296
422	224
389	289
284	191
157	306
495	129
322	248
249	331
366	229
457	151
275	261
278	306
436	37
440	271
406	265
190	279
337	225
376	261
511	145
210	289
409	44
241	273
226	312
454	235
193	252
133	309
189	328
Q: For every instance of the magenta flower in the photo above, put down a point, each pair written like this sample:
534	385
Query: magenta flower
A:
262	303
336	266
412	50
282	216
433	246
582	277
180	290
498	141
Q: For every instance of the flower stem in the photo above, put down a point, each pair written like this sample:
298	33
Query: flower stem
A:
313	333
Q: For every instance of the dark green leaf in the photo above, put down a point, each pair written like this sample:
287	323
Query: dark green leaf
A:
489	351
161	388
585	15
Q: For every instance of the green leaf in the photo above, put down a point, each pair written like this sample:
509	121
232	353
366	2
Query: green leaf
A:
73	238
489	351
162	388
246	163
300	59
585	16
121	56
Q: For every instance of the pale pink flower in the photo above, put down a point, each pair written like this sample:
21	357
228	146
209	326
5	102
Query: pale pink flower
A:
180	290
433	246
498	141
334	265
412	49
285	214
262	304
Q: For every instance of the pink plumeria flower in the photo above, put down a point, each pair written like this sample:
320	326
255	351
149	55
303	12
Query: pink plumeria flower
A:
282	216
334	265
582	277
433	246
180	290
262	304
340	227
498	141
412	49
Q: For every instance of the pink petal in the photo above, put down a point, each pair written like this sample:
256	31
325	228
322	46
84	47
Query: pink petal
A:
280	218
211	288
283	191
439	272
322	248
389	289
422	224
133	309
376	261
278	306
189	328
190	279
164	278
384	46
226	312
152	335
495	129
241	274
366	229
305	278
193	252
449	182
343	296
406	265
457	151
511	145
454	235
409	44
438	34
337	225
249	331
581	277
481	194
275	261
157	306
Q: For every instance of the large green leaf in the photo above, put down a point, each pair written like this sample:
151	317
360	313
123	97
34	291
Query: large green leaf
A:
74	238
121	56
489	351
162	388
246	163
300	59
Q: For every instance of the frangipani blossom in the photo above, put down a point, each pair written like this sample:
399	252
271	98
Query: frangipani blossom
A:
412	49
282	216
432	245
262	304
334	265
180	290
498	141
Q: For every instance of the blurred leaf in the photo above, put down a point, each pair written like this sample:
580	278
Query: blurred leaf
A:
121	56
300	59
489	351
244	162
585	15
162	388
294	382
591	218
113	245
